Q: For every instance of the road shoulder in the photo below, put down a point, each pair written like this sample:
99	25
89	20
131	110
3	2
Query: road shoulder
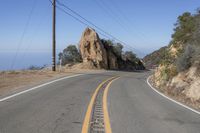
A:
171	99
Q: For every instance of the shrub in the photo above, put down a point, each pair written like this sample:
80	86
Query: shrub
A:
185	26
34	68
172	71
116	48
164	74
129	55
185	60
70	55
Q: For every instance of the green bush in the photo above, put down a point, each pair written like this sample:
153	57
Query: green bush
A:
168	72
185	26
70	55
185	60
116	48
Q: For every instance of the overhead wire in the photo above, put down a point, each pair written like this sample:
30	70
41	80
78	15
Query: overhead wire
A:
110	13
114	16
89	23
34	36
140	34
115	5
23	35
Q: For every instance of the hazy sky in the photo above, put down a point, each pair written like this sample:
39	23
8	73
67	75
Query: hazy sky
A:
144	24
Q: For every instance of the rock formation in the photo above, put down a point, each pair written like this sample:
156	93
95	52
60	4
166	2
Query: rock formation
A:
100	55
92	50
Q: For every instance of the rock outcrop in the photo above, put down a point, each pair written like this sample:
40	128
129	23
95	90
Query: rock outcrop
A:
97	54
92	50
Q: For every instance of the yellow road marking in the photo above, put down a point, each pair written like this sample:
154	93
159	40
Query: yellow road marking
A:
105	109
89	110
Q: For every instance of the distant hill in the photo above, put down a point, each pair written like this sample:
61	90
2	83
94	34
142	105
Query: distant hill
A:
152	60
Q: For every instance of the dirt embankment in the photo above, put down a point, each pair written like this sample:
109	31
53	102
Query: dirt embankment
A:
15	81
185	87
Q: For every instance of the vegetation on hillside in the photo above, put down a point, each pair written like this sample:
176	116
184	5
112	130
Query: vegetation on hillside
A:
126	59
70	55
115	48
187	32
186	40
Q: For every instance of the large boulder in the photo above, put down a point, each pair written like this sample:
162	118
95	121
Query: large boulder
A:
92	50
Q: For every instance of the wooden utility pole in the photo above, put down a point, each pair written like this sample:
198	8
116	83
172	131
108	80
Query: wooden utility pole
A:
54	37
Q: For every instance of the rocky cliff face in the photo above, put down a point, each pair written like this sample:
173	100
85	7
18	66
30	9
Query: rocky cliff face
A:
98	54
94	53
92	50
181	85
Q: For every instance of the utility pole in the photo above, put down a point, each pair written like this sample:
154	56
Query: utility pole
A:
54	37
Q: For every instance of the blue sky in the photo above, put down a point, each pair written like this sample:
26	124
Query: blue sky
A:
146	25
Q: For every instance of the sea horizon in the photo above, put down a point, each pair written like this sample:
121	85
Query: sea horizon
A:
12	61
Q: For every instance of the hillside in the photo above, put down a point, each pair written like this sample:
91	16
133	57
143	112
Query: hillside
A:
152	60
178	71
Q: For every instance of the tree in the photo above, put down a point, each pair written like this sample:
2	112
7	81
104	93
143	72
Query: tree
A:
107	43
130	56
70	55
185	26
117	49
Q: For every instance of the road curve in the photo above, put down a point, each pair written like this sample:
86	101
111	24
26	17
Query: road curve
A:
54	108
135	108
61	107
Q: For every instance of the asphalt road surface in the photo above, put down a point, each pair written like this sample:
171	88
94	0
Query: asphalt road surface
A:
60	107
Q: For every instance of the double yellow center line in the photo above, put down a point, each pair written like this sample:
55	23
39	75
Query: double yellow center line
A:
86	123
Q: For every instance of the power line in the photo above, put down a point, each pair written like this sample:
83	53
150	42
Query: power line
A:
118	9
77	19
34	36
110	13
23	34
113	15
106	8
61	4
116	15
88	23
91	23
114	4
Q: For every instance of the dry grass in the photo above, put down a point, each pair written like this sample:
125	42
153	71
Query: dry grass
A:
13	81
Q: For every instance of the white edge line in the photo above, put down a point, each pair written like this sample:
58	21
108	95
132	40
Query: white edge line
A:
185	106
36	87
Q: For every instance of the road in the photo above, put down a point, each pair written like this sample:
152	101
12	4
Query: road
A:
60	107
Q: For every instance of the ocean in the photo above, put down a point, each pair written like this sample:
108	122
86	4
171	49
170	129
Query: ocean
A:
23	60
